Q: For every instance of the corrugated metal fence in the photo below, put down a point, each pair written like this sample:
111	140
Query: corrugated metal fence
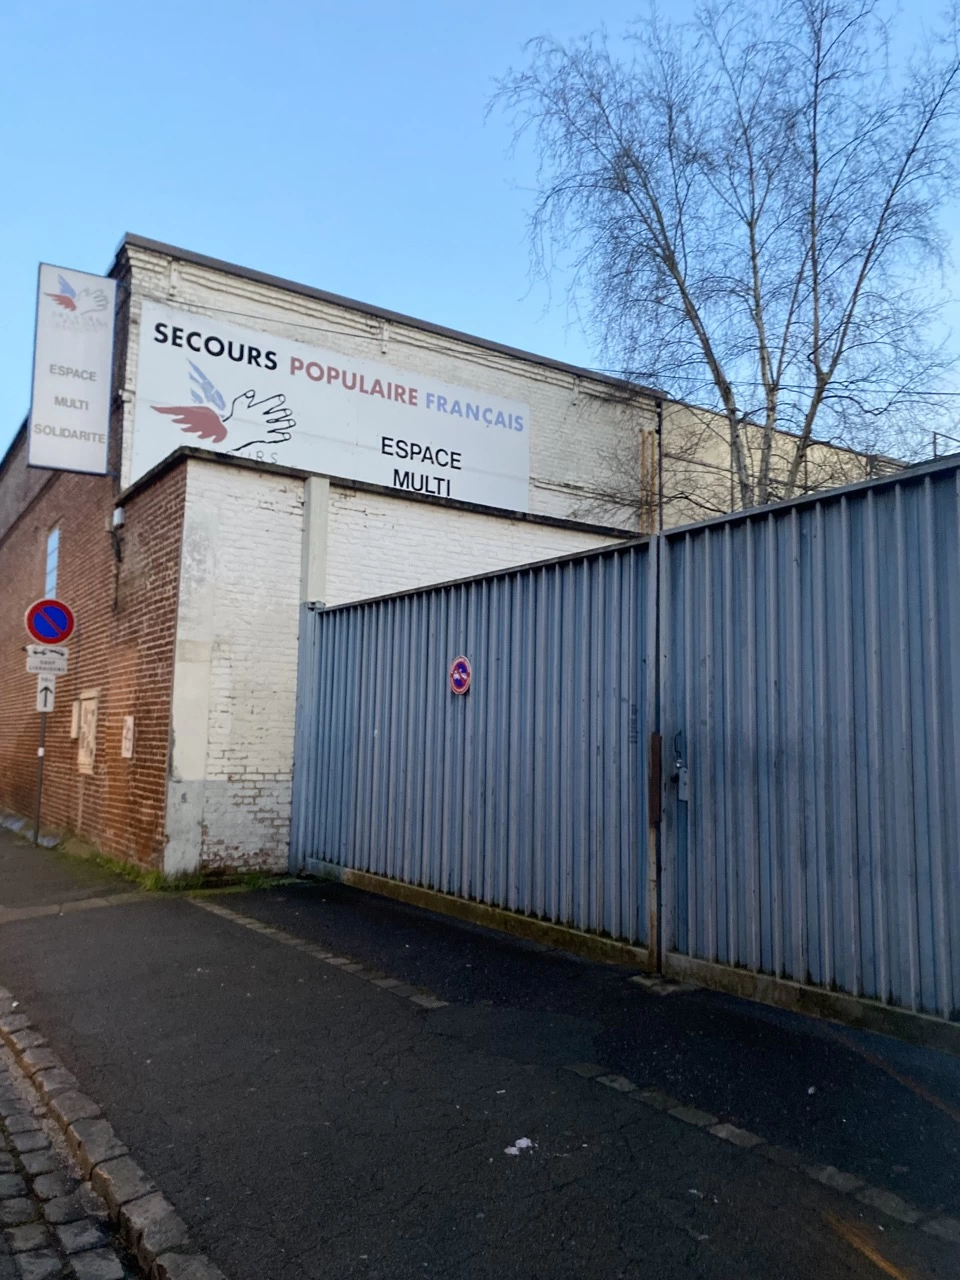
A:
810	704
802	665
526	793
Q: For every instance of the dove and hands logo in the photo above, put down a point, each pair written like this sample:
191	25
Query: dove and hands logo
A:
79	305
207	416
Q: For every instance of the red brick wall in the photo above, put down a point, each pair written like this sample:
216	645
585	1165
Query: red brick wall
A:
124	647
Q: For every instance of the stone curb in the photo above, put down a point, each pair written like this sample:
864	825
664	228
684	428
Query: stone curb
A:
848	1184
421	998
148	1224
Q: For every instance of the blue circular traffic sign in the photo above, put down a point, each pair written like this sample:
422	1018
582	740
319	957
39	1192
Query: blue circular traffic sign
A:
50	621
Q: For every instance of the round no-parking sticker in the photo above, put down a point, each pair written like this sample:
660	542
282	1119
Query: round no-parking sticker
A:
461	674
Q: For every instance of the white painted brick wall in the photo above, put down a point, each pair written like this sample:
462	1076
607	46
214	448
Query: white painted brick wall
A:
235	676
378	544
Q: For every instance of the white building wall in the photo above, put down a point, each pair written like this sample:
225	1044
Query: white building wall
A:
378	544
235	673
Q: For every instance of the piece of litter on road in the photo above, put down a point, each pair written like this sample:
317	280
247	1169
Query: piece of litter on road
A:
501	1091
812	1089
694	1192
521	1144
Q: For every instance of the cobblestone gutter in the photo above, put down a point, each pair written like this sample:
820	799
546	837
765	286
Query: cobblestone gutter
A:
73	1204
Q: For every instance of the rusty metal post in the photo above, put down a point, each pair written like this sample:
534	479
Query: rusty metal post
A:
654	811
40	750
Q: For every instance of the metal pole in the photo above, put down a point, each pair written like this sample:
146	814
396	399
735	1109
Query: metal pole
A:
36	816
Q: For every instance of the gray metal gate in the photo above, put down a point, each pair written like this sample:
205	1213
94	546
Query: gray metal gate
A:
810	705
527	793
801	667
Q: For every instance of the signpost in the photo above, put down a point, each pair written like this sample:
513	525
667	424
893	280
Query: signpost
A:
49	622
44	705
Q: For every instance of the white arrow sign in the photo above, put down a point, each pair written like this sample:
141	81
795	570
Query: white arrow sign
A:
47	659
45	688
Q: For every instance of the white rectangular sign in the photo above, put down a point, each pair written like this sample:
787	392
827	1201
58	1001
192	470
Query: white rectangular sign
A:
206	383
45	691
47	659
87	739
72	371
126	740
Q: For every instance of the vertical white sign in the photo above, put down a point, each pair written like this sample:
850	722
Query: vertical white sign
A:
46	691
72	371
87	741
126	740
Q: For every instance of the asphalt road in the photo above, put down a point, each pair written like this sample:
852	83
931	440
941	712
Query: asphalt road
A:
306	1123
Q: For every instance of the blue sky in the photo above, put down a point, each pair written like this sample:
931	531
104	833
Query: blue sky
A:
341	145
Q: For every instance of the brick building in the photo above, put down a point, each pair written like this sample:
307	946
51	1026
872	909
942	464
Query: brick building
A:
186	566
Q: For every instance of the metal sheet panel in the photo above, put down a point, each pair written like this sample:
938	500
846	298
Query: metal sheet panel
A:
808	695
528	792
810	687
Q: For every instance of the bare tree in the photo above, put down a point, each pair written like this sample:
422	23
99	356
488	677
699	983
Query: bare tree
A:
750	206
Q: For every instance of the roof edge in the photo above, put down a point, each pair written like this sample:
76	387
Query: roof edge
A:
380	313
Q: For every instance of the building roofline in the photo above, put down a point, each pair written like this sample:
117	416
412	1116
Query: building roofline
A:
188	452
380	313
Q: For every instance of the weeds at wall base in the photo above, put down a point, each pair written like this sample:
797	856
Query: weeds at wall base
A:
151	879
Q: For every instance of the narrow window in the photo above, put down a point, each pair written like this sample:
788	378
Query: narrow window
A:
53	558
